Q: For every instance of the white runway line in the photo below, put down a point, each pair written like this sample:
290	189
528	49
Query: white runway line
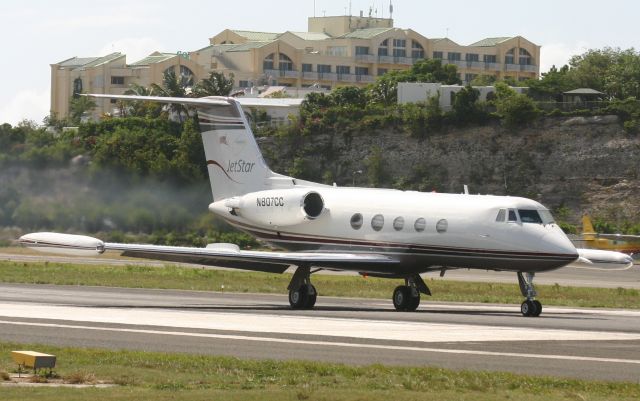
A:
335	344
305	325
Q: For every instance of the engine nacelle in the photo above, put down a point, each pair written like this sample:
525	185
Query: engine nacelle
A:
278	207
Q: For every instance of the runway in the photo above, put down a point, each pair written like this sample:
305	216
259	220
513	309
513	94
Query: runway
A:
565	342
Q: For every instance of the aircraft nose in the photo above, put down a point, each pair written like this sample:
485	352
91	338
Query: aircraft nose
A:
557	242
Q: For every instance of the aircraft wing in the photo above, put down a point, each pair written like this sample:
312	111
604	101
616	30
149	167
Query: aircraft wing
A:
222	255
626	237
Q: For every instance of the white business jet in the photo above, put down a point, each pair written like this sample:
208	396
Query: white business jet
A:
377	232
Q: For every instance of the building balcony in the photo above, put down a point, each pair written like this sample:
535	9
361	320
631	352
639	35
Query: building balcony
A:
366	58
396	60
512	67
282	73
492	66
365	78
309	75
521	67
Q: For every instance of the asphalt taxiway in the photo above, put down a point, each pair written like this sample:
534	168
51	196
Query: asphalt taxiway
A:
566	342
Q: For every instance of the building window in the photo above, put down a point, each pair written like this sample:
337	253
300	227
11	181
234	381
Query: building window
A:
442	226
77	87
324	68
420	225
268	62
472	57
356	221
337	51
525	57
400	52
377	222
490	58
362	50
437	55
417	51
509	57
284	63
343	69
454	56
398	223
117	80
307	67
383	49
243	83
362	71
382	71
400	43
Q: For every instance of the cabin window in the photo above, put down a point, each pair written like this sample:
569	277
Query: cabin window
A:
512	215
529	216
398	223
356	221
377	222
501	215
420	225
442	226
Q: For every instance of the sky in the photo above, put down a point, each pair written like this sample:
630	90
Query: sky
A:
37	33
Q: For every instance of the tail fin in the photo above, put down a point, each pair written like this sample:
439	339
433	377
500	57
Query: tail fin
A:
234	160
588	232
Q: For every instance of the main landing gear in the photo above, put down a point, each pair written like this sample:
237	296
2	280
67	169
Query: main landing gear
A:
406	298
530	307
302	294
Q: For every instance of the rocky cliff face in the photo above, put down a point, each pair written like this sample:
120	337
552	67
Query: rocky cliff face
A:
579	163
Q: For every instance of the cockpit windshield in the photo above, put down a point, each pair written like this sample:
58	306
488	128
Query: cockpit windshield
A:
535	216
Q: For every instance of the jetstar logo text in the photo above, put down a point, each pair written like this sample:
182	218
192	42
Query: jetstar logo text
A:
240	166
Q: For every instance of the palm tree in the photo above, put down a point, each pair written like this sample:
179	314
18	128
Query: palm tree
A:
78	106
139	108
215	85
172	87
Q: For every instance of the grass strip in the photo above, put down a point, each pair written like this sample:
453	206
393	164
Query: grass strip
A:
172	277
165	376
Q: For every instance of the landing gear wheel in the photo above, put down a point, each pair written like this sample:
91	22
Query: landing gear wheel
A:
401	297
311	297
415	302
298	297
531	308
538	306
302	297
404	300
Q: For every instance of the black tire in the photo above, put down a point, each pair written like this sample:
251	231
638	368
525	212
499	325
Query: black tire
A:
311	298
529	308
401	298
298	297
414	302
538	307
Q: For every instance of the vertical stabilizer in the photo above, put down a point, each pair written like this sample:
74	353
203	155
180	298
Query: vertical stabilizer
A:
234	161
588	232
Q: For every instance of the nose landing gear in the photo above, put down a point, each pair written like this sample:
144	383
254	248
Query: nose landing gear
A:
530	307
